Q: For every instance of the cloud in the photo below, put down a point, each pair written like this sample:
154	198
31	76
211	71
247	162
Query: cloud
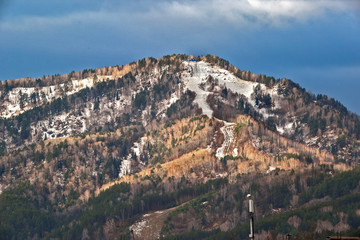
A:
242	12
238	13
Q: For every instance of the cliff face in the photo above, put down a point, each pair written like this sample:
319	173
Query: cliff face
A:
164	126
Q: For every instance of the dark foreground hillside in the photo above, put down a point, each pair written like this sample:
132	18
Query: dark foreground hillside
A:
309	205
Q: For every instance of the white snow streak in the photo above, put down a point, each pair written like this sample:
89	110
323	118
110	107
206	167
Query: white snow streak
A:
138	148
228	131
125	167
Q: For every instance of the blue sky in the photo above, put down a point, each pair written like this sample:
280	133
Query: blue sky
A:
315	43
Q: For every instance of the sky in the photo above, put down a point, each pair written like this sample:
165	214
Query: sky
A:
316	43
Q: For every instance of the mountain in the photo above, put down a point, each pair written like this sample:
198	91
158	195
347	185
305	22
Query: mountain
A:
170	148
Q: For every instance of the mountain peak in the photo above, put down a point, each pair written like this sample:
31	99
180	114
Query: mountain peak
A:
170	123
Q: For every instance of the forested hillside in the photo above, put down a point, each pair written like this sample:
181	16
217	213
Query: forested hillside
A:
174	145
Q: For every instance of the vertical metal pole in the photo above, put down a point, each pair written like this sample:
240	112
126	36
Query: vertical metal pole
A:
252	236
251	213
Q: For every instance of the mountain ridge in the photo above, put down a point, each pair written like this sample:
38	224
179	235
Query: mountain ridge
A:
165	128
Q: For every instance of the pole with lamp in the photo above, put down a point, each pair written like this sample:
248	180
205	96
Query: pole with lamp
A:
251	213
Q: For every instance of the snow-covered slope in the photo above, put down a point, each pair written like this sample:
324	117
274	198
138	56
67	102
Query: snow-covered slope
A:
197	73
21	99
207	80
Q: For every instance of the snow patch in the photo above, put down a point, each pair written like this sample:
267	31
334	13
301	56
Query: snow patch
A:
197	73
286	128
173	99
270	169
235	152
312	141
11	103
138	148
125	167
138	226
221	175
280	129
228	132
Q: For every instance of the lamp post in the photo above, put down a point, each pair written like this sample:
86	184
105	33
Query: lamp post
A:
251	213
